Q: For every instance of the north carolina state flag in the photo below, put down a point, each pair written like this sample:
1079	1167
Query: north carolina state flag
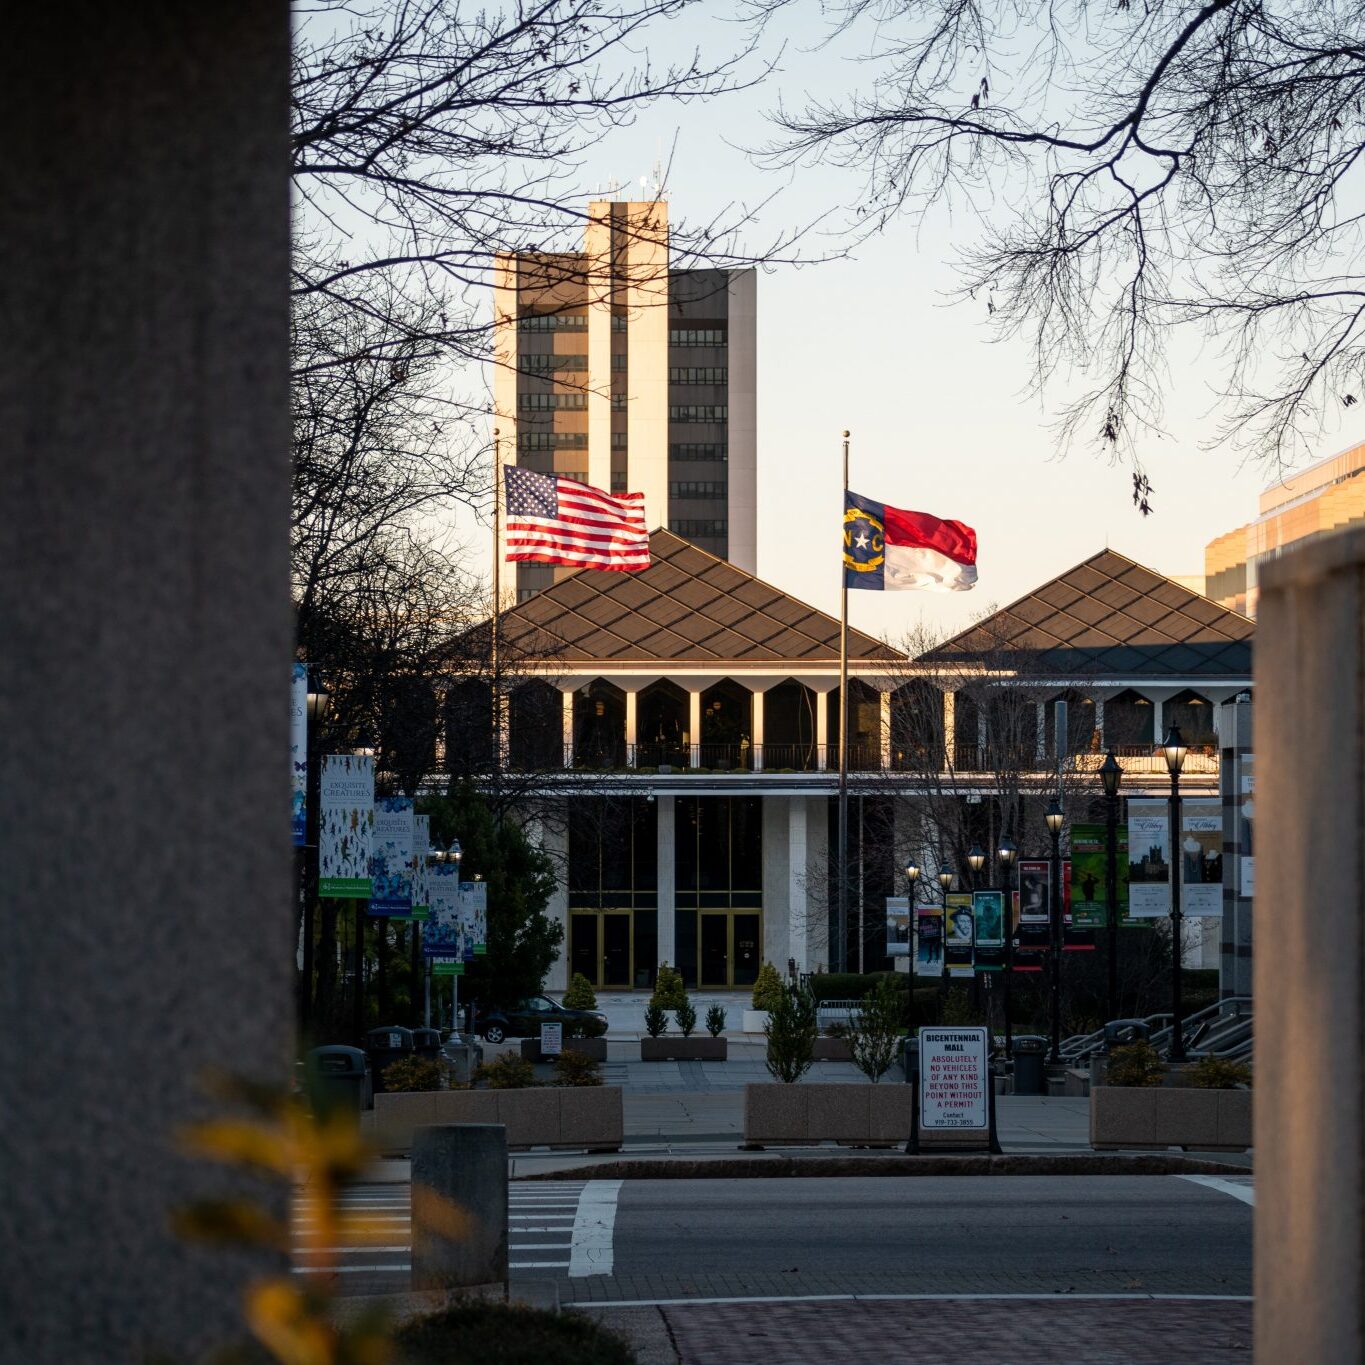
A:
886	548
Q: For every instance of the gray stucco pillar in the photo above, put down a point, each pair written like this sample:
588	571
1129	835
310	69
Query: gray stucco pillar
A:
144	610
668	880
1310	913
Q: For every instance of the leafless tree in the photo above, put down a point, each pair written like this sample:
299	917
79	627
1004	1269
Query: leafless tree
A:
1138	167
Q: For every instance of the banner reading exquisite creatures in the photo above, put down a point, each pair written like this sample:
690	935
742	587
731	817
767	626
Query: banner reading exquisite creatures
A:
345	825
421	852
391	857
298	744
474	911
443	932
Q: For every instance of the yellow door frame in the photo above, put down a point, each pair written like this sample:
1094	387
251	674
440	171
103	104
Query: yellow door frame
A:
598	979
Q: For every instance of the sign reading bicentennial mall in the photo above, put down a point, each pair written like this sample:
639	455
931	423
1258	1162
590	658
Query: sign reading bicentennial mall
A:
298	743
391	857
954	1076
345	825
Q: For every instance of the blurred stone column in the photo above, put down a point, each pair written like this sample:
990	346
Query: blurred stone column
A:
144	609
1309	963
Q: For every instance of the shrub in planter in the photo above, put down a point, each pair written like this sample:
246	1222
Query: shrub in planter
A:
669	993
573	1068
767	988
837	1029
715	1020
791	1031
1137	1064
585	1028
508	1072
413	1073
686	1016
655	1019
876	1029
1208	1073
580	995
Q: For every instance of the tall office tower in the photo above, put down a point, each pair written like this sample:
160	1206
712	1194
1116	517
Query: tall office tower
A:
615	369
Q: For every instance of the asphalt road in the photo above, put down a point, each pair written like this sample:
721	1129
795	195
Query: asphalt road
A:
637	1240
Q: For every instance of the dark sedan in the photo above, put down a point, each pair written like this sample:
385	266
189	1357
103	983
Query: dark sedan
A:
525	1019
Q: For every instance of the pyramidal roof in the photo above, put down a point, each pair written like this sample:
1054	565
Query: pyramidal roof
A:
687	607
1112	616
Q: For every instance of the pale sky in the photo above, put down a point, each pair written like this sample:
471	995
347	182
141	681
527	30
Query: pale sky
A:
939	413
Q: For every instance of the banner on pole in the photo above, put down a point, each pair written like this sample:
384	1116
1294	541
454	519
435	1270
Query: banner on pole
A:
1089	858
421	851
345	826
1149	858
391	857
988	918
1035	896
928	941
298	744
474	911
443	934
959	936
1201	858
898	926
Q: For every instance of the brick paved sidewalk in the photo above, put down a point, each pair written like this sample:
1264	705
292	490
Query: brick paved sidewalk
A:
1020	1332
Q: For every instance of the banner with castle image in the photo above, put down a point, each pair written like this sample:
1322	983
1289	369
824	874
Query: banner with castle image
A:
1149	858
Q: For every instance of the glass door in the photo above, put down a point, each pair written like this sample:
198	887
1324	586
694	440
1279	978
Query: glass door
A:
616	954
583	951
748	949
715	950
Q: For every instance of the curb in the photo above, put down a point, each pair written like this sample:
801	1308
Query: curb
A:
790	1167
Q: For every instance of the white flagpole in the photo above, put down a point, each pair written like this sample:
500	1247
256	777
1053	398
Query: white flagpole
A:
841	870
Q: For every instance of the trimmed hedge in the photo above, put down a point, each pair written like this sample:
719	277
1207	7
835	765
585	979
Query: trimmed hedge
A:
853	985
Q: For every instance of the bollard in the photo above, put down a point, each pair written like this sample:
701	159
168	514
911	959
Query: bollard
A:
459	1206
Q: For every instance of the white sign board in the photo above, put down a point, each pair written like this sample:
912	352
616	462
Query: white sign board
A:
954	1079
551	1040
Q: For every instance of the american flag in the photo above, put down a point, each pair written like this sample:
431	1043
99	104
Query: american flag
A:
554	520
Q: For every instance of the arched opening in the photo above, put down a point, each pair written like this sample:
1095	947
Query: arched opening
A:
469	727
660	726
967	755
599	726
535	727
1080	723
789	727
1129	722
917	727
1193	713
726	726
864	726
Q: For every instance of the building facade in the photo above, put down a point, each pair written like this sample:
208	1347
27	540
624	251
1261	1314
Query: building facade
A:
618	370
1323	498
676	733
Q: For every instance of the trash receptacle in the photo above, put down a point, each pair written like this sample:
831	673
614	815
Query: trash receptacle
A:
427	1041
465	1055
910	1060
1030	1074
385	1046
335	1078
1119	1032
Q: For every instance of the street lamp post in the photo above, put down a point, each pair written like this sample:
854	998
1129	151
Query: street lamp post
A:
318	701
976	860
1111	775
1055	818
1174	749
1007	853
945	880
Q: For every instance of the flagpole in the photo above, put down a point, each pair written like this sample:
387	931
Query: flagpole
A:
841	868
497	608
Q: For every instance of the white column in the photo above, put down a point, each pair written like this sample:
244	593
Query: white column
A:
1158	722
631	698
554	839
886	730
1099	722
949	729
694	729
1040	734
568	729
757	736
822	729
798	916
668	883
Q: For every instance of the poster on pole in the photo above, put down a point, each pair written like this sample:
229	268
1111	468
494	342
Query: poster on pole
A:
474	912
1201	858
1035	881
443	936
1149	858
1089	889
928	941
298	744
988	922
391	857
421	852
898	926
345	825
954	1080
958	935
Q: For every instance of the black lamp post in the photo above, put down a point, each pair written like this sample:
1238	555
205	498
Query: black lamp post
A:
945	880
319	699
1174	749
912	874
1111	775
976	860
1008	854
1055	818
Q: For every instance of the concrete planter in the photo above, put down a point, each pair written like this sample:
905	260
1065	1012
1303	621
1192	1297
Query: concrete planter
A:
753	1021
1161	1116
854	1115
667	1049
596	1048
543	1116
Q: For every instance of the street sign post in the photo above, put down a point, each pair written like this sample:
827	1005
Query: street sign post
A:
551	1040
954	1099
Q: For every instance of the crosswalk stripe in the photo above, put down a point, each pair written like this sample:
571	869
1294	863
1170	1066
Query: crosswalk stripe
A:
1246	1193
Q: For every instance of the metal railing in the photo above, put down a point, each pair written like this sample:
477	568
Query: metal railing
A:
1223	1029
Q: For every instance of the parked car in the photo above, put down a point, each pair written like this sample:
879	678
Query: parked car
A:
525	1019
